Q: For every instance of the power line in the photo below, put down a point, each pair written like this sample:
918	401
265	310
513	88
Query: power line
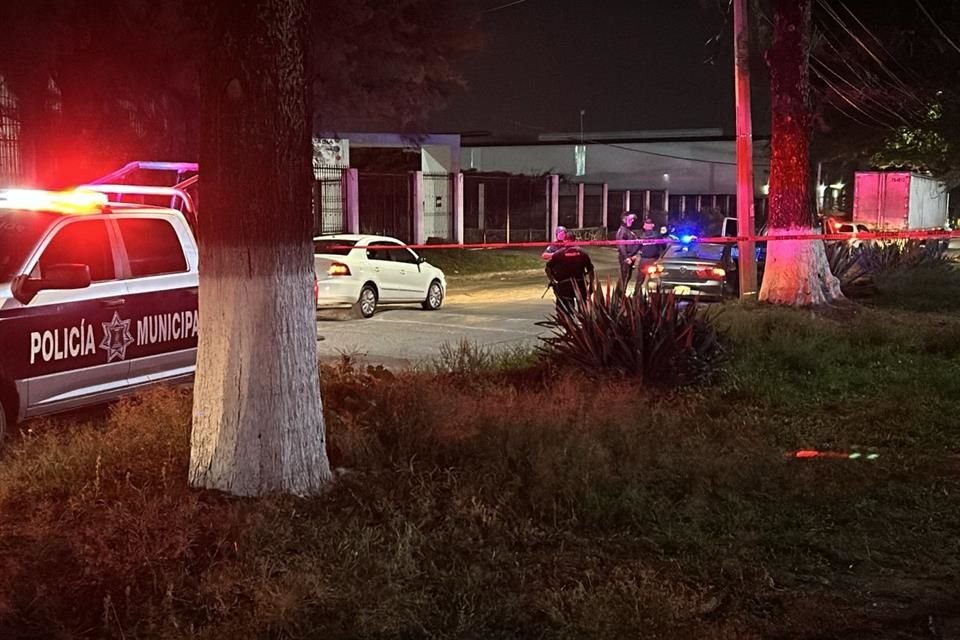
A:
843	25
853	104
864	73
503	6
613	145
864	94
937	26
877	40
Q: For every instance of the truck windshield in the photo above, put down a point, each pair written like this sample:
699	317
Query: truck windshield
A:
19	233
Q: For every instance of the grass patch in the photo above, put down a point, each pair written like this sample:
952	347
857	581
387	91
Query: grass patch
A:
463	262
933	288
489	499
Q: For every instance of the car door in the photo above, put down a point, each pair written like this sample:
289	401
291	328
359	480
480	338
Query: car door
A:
386	272
162	298
74	342
413	281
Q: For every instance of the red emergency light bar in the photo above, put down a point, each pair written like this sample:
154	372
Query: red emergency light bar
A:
76	202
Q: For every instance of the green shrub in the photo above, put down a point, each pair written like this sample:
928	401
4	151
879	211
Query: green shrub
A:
466	357
848	264
857	266
653	338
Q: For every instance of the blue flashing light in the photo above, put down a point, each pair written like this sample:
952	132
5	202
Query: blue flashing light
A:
687	238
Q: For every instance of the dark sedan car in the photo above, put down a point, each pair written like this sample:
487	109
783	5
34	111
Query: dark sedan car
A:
704	271
691	271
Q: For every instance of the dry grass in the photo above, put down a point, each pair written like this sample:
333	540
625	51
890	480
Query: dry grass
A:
524	505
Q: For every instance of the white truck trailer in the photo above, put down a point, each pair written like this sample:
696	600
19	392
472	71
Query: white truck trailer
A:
899	200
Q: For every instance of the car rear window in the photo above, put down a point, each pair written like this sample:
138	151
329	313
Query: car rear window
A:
694	251
332	246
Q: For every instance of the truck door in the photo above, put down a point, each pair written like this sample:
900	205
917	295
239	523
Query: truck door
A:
162	284
72	345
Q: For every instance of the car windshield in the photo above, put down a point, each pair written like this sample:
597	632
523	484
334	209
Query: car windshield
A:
333	246
695	252
19	233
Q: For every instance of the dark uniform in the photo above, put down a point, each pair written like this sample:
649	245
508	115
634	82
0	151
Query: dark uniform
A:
626	253
570	270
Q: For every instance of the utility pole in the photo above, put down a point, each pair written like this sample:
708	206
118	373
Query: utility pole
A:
746	225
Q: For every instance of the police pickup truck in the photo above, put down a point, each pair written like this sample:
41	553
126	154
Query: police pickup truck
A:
97	299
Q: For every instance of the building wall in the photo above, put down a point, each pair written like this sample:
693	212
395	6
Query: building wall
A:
689	167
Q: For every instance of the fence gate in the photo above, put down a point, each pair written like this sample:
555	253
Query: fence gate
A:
438	206
10	169
386	205
329	212
500	208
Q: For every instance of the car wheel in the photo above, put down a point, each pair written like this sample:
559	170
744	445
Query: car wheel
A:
366	304
434	297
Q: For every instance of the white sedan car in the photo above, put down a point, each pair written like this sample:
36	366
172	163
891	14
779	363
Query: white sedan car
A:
362	272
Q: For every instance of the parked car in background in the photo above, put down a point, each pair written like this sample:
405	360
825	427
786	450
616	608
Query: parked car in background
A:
364	272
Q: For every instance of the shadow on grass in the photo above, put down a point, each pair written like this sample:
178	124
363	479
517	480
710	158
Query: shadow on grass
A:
480	505
922	289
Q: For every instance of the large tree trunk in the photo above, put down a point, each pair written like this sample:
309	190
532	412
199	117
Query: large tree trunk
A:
797	271
258	423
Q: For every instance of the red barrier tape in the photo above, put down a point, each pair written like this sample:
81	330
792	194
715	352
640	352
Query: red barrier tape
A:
897	235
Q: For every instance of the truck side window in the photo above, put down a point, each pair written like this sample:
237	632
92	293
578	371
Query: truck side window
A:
82	242
153	247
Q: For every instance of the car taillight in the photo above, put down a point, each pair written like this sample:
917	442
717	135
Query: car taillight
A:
654	269
337	269
712	272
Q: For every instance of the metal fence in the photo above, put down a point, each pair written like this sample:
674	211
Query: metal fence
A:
592	205
11	169
438	206
501	208
386	205
329	211
567	211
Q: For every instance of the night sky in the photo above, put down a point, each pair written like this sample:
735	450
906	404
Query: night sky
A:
631	64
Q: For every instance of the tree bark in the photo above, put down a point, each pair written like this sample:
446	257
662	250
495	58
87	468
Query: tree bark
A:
258	423
797	272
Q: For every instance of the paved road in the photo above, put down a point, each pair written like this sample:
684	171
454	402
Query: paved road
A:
495	312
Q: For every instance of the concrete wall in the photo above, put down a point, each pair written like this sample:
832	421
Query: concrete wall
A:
688	167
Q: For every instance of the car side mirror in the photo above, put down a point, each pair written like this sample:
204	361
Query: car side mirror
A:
58	276
421	259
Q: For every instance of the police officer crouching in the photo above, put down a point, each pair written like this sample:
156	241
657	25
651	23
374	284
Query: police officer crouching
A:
570	271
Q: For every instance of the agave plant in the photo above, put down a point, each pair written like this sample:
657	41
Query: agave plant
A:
857	266
852	267
654	338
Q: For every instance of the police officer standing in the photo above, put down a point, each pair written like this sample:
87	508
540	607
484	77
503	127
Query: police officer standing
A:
627	250
570	271
649	252
561	242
